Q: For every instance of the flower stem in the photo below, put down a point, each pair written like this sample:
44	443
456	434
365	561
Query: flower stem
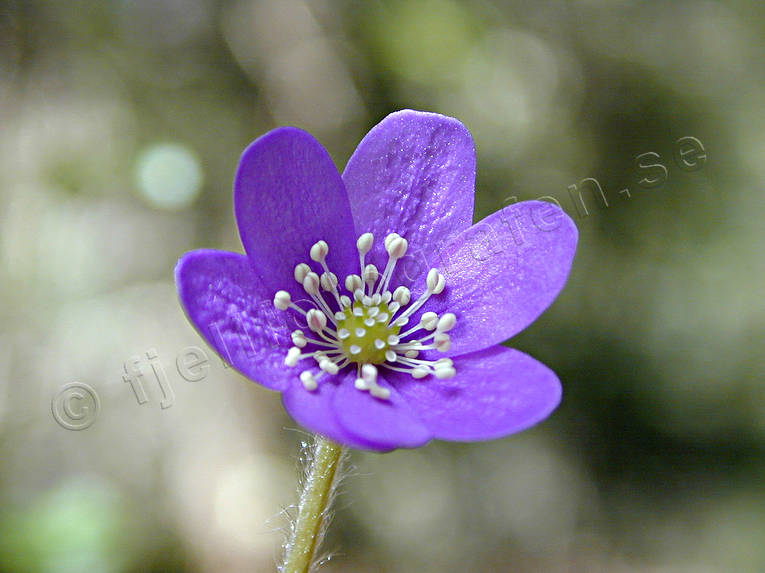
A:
313	511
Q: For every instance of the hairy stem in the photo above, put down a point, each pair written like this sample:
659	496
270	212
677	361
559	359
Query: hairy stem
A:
313	511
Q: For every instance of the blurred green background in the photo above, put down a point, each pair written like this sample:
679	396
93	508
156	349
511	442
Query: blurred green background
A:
122	123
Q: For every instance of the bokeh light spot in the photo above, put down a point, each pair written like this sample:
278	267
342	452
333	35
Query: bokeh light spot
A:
169	175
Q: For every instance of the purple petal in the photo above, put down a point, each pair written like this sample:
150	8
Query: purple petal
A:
287	195
232	309
497	391
314	410
381	424
413	174
503	272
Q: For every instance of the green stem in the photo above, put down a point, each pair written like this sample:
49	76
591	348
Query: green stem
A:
313	511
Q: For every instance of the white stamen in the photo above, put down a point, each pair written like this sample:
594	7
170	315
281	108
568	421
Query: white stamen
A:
396	247
373	320
319	251
293	355
311	283
282	300
389	238
446	322
429	320
298	338
402	295
317	320
301	271
329	281
308	380
364	243
371	274
328	366
353	283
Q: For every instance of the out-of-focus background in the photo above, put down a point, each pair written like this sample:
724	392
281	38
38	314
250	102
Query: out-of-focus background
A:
121	126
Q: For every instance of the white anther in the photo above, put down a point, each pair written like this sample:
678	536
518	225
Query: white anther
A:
366	301
328	281
311	283
442	341
301	271
355	349
376	298
353	283
445	372
386	296
393	307
364	243
319	251
443	362
379	344
361	384
435	281
358	311
328	366
374	311
369	322
339	315
298	338
429	320
440	284
402	295
390	356
420	372
396	247
345	300
379	392
382	317
412	353
389	238
358	294
446	322
360	332
369	372
308	380
317	320
393	339
401	321
343	333
282	300
293	355
371	274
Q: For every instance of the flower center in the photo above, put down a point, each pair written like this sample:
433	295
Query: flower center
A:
365	330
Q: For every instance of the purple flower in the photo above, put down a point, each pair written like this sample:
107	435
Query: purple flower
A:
370	301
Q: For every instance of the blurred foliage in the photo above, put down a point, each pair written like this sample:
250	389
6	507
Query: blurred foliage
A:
122	126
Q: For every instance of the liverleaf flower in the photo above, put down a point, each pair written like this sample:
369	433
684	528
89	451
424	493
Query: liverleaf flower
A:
370	301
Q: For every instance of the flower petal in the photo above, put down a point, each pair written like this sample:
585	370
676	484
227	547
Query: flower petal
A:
413	174
503	272
287	195
381	424
497	391
314	409
232	310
